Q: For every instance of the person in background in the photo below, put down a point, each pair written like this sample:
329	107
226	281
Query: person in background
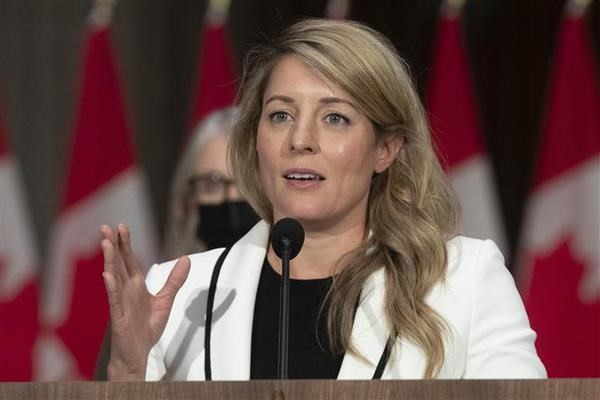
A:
331	133
206	210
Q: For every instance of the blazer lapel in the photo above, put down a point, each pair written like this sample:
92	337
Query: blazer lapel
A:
231	337
369	332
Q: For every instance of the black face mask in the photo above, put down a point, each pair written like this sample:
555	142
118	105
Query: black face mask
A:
223	224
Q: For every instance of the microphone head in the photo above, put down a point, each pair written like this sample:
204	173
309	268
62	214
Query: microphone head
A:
290	229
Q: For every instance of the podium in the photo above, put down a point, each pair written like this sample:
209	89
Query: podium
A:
550	389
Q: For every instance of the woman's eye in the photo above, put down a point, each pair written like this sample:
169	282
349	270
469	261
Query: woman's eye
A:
279	116
209	187
336	119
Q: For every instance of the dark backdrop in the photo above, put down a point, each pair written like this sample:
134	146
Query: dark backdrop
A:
510	44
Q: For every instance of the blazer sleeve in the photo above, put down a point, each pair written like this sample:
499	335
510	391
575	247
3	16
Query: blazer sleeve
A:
501	342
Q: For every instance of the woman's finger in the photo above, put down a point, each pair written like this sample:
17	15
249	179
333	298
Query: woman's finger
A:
113	262
126	250
108	233
116	308
176	279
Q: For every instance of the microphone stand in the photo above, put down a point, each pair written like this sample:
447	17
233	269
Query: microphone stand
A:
284	307
287	237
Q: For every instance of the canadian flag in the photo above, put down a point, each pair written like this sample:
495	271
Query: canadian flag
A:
215	77
559	258
454	120
18	273
103	185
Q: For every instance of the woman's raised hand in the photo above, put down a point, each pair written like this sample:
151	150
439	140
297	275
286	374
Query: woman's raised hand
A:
138	318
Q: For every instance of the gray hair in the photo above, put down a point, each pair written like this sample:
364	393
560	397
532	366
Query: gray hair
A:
182	219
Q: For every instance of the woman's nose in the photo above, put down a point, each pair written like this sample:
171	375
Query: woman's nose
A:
304	138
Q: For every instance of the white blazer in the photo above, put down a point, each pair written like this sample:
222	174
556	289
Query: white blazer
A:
490	333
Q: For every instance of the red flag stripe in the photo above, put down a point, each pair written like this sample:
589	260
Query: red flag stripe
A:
569	136
450	95
453	116
17	337
102	140
216	81
18	273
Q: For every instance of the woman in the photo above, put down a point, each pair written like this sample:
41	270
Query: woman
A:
331	132
206	210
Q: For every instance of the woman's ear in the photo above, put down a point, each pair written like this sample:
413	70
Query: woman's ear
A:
387	150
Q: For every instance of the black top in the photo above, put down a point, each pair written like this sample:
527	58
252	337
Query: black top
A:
308	358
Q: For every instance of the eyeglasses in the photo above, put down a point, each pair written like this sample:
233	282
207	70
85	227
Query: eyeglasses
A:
210	188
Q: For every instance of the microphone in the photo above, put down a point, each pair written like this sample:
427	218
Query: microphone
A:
287	238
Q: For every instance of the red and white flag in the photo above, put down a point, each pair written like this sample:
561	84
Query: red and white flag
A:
103	185
18	272
453	116
215	77
559	258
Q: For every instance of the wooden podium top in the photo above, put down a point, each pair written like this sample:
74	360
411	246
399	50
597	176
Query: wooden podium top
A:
559	389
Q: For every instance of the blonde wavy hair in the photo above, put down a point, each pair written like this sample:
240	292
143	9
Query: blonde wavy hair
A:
411	208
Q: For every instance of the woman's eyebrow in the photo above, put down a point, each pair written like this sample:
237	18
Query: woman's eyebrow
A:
323	100
285	99
339	100
333	99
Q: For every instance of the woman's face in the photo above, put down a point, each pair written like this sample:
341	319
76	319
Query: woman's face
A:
317	152
213	182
